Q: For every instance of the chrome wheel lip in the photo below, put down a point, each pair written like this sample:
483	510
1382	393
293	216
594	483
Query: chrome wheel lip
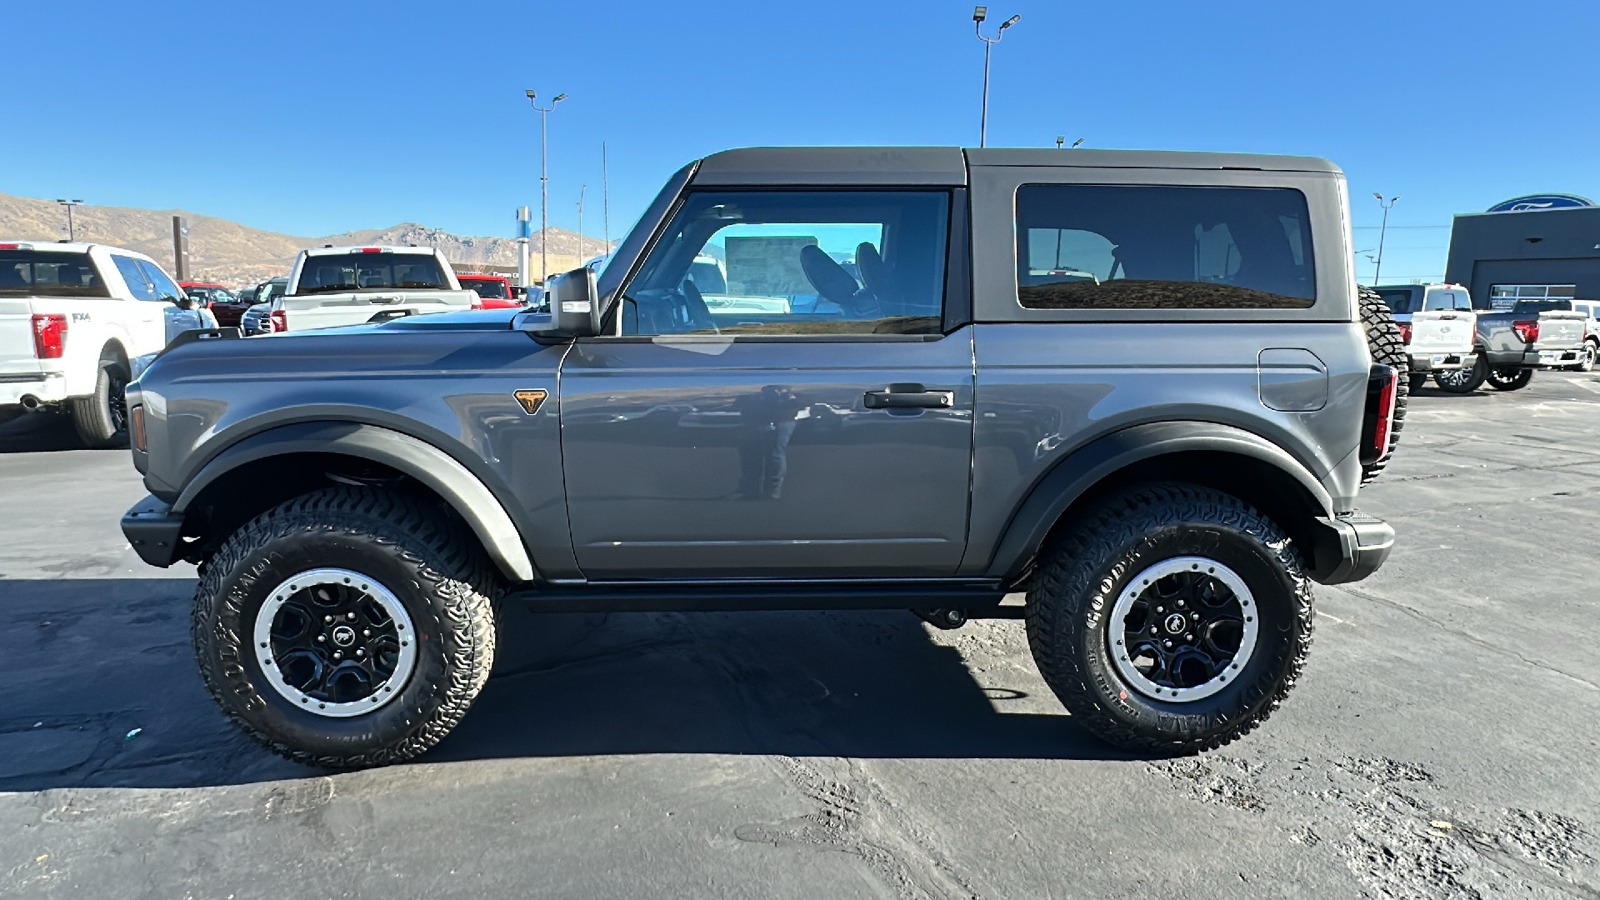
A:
382	693
1136	586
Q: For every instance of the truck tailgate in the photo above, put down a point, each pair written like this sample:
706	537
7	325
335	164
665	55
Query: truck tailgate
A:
1560	331
303	312
1442	333
16	335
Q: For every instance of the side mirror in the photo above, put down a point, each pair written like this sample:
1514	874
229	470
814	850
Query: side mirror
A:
184	302
574	305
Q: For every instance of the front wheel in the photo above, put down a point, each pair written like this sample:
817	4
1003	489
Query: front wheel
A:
347	627
1171	619
1510	379
1462	381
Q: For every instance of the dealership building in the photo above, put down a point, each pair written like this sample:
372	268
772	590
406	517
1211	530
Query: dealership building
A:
1539	247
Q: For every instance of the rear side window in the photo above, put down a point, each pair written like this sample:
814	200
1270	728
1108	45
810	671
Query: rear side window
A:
369	272
1163	247
138	283
26	272
1400	301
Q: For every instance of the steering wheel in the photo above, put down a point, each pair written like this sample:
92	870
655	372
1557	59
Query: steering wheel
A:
699	314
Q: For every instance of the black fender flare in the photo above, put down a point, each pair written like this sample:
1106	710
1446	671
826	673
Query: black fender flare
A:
1075	474
429	465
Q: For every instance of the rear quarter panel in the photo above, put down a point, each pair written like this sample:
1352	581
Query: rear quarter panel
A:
1044	391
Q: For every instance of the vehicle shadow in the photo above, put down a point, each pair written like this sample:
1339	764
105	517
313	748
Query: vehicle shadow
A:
40	432
104	691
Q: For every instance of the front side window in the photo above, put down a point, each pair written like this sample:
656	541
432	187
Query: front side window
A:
794	263
44	274
164	287
376	271
1163	247
138	283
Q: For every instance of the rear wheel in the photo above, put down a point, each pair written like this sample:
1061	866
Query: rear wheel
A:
1417	380
1171	619
1591	350
1463	380
1388	348
348	627
1510	379
101	419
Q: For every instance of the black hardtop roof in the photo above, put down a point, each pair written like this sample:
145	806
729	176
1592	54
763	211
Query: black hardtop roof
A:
947	166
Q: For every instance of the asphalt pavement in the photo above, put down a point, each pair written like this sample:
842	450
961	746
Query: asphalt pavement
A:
1444	742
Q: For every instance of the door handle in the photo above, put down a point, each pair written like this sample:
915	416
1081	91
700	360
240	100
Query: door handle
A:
909	396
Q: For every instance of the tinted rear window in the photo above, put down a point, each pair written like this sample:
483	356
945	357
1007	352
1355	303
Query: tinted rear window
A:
43	273
1529	307
1163	247
1402	301
370	272
491	288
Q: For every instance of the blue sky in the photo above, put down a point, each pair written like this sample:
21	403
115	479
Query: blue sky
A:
314	118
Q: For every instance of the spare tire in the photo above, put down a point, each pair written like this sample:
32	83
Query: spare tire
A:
1389	349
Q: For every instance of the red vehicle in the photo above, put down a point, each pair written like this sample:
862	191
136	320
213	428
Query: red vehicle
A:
223	303
493	290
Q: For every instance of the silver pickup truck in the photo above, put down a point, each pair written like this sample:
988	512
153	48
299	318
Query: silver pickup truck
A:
1534	334
332	286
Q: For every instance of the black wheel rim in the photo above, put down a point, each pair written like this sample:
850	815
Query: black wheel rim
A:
1182	629
335	642
117	399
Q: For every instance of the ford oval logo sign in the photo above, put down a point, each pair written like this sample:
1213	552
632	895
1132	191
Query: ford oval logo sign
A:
1538	202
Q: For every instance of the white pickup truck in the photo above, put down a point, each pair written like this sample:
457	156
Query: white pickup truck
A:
334	286
1437	324
75	319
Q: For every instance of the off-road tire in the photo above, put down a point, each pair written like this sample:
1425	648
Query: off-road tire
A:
101	419
1473	380
439	576
1389	349
1093	558
1510	379
1591	353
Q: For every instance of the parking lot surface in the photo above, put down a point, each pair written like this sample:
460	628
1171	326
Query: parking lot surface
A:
1443	742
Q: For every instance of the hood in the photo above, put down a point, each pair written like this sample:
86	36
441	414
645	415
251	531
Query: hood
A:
463	320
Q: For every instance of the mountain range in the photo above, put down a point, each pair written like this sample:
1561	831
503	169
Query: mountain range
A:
237	255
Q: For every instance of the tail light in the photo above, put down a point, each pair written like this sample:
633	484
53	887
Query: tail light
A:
1528	331
1383	388
1405	332
49	335
280	320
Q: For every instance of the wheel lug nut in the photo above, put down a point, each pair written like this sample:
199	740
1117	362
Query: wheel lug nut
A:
1154	630
1168	643
361	653
1161	609
322	638
350	615
366	632
338	655
1180	604
327	620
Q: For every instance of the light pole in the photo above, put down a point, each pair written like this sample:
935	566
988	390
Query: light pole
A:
1383	229
544	183
581	192
978	15
69	204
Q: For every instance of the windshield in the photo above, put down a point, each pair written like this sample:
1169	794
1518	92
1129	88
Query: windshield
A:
24	272
210	295
370	272
488	288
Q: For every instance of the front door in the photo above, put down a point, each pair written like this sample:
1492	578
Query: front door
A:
782	401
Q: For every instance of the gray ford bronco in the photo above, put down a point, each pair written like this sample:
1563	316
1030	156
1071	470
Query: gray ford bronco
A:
1139	387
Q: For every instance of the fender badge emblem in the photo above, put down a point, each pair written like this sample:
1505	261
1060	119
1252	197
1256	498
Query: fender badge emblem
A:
531	400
